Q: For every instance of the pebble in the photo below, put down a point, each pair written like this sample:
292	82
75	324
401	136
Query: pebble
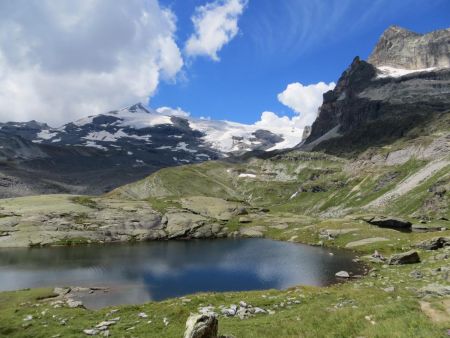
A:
28	318
90	332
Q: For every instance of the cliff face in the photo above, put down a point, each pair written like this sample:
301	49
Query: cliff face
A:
368	107
401	48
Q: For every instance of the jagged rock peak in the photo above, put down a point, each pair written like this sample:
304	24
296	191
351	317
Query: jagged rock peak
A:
138	107
402	48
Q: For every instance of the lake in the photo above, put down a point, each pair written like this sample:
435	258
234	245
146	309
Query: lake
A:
136	273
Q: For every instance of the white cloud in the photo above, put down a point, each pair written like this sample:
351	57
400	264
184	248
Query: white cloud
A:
305	100
215	25
63	59
173	111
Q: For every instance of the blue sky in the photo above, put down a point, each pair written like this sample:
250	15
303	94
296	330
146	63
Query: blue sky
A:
61	60
280	42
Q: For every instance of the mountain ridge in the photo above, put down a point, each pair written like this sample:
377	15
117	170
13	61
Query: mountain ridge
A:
376	102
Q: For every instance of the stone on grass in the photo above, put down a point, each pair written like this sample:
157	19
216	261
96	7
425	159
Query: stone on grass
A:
342	274
434	290
244	219
389	222
201	326
434	243
74	303
409	257
90	332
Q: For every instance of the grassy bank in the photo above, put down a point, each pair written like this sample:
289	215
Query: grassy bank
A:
384	303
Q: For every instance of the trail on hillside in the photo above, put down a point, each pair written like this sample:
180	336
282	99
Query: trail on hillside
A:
409	183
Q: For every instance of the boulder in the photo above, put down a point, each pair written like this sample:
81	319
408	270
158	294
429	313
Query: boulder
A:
389	222
239	211
434	243
201	326
409	257
248	232
244	219
342	274
434	290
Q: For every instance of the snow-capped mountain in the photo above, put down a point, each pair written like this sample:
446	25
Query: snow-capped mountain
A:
138	126
102	151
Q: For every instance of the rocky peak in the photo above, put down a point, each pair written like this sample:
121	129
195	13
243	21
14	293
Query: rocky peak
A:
138	107
402	48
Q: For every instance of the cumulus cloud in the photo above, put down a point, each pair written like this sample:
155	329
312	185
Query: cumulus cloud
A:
305	102
215	25
63	59
173	111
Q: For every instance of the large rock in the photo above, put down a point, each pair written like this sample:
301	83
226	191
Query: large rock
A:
389	222
434	243
202	326
409	257
434	290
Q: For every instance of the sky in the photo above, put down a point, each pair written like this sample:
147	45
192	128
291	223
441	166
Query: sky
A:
261	62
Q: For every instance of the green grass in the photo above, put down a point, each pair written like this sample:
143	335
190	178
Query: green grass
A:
162	204
85	201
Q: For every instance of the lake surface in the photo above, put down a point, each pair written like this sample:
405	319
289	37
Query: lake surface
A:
136	273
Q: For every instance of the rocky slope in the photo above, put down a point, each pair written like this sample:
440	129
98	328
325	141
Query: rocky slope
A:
377	102
218	199
98	153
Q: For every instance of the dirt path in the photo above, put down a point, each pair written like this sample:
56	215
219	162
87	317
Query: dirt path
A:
410	182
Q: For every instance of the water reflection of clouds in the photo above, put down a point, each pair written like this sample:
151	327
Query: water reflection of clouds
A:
161	270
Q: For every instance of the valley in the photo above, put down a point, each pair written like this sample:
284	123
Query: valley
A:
372	180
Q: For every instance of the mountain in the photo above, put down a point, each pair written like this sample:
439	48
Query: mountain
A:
404	86
97	153
401	48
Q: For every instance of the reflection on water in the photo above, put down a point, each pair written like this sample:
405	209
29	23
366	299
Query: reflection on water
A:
159	270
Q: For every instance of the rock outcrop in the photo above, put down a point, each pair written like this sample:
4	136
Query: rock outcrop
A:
367	108
64	220
401	48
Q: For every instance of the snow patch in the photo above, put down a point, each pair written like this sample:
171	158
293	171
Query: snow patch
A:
386	71
94	145
183	146
247	175
46	135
